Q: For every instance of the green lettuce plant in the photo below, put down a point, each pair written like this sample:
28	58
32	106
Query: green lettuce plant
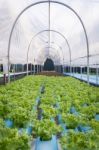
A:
45	129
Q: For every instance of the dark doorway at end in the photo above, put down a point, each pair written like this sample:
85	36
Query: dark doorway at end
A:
49	65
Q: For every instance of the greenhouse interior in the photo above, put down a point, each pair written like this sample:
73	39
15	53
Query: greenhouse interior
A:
49	74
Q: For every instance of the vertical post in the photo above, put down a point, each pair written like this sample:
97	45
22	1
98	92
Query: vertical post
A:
14	71
34	69
16	68
37	68
73	70
63	69
8	71
76	69
60	69
84	70
88	70
4	77
67	68
27	69
31	68
96	74
54	67
41	68
70	67
27	64
81	71
57	68
22	68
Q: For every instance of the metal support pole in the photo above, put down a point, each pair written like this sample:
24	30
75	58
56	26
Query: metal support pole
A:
14	71
22	68
60	69
57	68
70	66
27	68
84	70
73	71
97	74
76	70
16	68
31	68
41	68
81	72
63	69
37	69
69	69
4	77
34	69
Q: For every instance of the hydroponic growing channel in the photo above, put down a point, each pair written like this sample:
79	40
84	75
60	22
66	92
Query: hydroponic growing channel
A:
49	74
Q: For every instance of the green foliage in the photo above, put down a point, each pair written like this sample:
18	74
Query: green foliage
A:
45	129
18	99
75	141
11	140
48	111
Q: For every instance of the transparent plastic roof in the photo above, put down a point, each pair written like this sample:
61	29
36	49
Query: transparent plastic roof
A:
35	40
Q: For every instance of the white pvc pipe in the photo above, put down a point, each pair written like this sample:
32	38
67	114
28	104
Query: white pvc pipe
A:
96	74
34	69
81	71
37	69
63	69
27	69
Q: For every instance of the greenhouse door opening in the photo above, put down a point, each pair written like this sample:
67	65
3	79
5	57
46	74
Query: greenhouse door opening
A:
49	65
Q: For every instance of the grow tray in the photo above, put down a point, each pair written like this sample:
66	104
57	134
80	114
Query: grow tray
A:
47	145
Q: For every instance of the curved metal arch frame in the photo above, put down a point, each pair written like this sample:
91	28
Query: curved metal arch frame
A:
43	48
42	2
67	43
51	48
55	49
40	49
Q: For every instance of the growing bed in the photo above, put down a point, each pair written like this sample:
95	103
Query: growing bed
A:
48	109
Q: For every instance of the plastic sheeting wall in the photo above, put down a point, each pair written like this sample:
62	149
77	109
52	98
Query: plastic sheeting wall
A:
63	20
